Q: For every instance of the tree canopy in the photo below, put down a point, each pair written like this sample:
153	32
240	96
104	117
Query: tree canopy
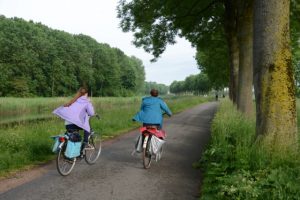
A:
224	33
157	23
38	61
162	88
195	84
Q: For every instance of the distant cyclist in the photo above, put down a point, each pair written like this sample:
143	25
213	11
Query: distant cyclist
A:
152	110
77	112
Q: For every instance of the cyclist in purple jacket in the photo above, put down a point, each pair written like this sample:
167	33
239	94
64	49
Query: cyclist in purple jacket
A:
77	112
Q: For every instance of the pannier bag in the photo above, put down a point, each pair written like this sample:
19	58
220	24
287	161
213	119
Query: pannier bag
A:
156	144
73	149
56	143
139	144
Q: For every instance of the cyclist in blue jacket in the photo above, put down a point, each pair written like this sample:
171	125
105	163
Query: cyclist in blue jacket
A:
152	110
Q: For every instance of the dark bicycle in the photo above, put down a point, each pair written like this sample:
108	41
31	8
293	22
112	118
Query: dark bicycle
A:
69	149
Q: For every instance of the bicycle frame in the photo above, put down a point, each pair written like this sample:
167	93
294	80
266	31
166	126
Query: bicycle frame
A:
90	153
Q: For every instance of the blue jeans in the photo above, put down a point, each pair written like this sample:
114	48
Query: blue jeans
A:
75	127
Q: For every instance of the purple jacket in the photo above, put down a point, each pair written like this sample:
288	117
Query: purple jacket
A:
78	113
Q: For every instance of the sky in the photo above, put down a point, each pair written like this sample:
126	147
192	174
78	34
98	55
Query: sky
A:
98	19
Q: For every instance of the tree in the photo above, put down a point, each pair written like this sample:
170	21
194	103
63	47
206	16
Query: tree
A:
274	76
196	84
203	23
230	27
203	84
295	42
213	60
162	88
36	60
245	40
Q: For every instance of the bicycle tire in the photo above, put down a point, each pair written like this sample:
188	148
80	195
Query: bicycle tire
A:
92	154
64	165
147	155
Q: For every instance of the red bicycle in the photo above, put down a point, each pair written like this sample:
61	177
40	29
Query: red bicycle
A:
152	141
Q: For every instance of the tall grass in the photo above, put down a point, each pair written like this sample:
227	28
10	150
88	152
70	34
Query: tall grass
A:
14	110
29	142
236	167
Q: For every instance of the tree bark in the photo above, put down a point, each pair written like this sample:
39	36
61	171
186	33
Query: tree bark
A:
230	27
245	40
234	66
274	76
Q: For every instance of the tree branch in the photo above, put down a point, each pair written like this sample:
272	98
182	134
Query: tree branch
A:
189	13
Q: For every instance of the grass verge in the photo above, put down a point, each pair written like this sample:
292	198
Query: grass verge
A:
29	143
235	167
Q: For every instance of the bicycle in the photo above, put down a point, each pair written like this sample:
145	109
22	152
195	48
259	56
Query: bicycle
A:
90	153
152	148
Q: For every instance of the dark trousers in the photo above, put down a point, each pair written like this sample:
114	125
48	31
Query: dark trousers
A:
157	125
75	127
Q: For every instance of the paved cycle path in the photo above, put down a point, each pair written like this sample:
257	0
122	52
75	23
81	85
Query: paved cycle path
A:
118	175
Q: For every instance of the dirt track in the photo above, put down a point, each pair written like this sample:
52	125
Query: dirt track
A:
118	175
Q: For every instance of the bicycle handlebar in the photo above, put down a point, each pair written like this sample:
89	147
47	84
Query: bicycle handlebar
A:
97	116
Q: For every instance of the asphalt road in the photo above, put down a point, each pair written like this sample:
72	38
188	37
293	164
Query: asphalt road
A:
118	175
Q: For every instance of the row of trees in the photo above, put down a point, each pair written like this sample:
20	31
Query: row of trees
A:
38	61
196	84
162	88
237	42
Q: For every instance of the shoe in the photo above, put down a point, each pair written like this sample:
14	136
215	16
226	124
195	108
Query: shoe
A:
70	160
81	155
87	146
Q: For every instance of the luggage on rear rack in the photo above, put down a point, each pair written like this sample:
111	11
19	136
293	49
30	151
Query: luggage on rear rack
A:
138	147
73	149
156	144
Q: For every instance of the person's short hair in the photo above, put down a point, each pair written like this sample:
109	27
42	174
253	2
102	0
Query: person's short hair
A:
154	92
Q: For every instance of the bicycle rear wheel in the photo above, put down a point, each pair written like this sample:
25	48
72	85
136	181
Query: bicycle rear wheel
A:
147	154
92	152
64	165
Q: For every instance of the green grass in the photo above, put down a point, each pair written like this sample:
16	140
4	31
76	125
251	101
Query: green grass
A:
235	167
14	110
28	142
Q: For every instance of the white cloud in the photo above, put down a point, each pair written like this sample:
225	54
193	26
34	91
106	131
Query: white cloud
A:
98	19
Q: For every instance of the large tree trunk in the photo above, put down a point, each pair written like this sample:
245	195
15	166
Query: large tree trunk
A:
231	34
274	76
234	66
245	40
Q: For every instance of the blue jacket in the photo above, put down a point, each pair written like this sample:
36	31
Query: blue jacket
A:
151	112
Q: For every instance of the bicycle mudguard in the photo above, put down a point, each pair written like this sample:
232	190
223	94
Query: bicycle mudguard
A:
145	141
158	133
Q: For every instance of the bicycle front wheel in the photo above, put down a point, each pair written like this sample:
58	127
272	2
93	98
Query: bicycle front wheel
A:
92	152
146	153
64	165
